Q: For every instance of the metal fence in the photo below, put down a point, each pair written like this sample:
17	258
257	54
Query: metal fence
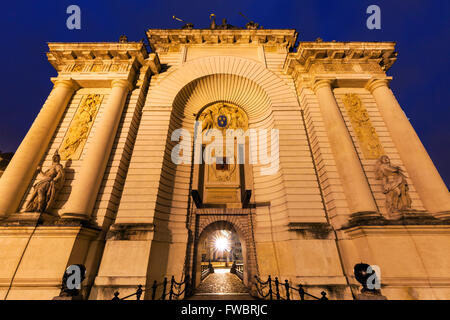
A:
271	289
172	290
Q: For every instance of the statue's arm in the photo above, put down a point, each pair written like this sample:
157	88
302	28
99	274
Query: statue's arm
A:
60	173
391	169
40	171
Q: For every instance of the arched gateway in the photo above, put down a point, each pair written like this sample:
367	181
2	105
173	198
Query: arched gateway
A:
308	181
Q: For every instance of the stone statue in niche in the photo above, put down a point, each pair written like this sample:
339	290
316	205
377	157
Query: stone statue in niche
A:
46	189
395	186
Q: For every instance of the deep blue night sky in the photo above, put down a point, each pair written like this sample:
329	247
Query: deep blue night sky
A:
420	28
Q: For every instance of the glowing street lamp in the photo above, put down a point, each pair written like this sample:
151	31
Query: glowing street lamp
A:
221	244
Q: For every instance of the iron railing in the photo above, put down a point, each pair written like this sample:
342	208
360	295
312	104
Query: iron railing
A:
282	291
173	292
206	270
238	269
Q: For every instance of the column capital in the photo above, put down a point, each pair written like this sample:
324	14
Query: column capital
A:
123	83
376	83
67	83
320	83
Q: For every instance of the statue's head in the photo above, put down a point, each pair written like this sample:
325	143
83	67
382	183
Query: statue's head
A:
56	157
384	159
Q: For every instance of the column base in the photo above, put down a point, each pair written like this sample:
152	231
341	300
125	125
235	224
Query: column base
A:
444	215
74	216
365	217
403	217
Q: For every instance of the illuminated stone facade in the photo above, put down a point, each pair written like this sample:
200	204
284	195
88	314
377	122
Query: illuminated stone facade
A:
131	215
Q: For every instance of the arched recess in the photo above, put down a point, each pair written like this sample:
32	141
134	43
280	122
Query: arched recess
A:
184	92
234	223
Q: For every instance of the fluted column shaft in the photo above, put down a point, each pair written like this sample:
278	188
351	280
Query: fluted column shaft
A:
87	182
22	167
356	187
419	166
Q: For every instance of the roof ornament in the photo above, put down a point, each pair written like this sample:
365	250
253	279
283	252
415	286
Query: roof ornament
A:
213	24
123	39
187	25
251	25
225	25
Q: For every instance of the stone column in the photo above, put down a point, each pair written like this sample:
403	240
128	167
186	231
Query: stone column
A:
23	165
419	166
356	187
87	182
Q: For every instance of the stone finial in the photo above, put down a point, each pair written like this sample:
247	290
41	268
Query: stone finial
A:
123	39
365	275
213	24
68	292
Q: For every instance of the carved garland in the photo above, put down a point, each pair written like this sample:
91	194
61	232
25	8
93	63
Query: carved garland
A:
79	129
365	132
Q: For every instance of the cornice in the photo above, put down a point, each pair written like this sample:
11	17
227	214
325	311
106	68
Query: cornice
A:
100	57
163	40
310	53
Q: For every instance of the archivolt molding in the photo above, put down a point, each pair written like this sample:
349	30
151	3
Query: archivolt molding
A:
221	78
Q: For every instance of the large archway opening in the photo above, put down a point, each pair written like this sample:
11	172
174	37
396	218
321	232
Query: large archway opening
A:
224	247
222	264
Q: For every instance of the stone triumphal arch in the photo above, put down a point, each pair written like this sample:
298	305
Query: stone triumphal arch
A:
331	172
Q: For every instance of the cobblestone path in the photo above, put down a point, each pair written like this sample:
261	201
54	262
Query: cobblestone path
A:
221	285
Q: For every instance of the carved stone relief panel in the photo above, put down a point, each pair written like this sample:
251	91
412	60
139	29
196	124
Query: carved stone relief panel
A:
362	126
78	132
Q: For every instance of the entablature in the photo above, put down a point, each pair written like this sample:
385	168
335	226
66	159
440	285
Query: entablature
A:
97	64
335	58
171	40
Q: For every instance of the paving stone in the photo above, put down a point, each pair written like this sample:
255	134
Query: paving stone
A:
221	283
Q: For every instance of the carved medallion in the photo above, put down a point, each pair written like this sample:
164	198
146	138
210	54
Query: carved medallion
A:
223	116
79	129
365	132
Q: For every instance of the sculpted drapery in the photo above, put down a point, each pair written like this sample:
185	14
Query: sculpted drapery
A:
395	186
46	189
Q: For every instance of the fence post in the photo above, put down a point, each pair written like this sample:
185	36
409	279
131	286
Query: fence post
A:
172	280
301	292
154	286
324	296
286	286
277	289
163	297
270	287
139	292
116	296
187	286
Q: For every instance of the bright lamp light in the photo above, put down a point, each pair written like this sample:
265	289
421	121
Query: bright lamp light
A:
221	244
